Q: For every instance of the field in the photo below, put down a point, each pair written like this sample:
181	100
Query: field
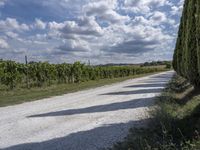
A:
22	83
19	95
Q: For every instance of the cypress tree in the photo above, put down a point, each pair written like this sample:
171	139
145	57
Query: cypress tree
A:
184	45
192	73
187	52
179	60
197	15
177	53
174	62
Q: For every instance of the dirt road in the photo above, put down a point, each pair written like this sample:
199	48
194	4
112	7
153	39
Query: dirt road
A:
86	120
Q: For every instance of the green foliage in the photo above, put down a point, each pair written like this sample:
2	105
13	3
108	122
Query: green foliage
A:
38	74
186	60
168	66
192	74
10	74
156	63
77	71
198	32
176	123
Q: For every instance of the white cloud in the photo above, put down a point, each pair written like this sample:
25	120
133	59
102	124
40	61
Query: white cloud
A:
106	30
3	44
73	46
143	6
2	2
158	17
12	35
105	11
11	24
39	24
85	26
176	10
128	36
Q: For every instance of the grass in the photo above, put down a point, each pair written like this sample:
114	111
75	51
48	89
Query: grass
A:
20	95
176	123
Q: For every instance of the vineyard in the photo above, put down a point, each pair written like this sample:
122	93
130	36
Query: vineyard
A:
38	74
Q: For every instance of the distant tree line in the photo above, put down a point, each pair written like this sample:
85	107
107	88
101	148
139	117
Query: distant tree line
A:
37	74
168	64
187	52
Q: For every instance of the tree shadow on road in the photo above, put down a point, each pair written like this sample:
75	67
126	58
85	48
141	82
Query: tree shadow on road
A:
156	85
142	91
153	82
162	76
131	104
94	139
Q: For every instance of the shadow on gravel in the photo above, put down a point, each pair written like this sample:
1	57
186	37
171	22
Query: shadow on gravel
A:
154	84
157	85
94	139
143	91
136	103
162	76
156	81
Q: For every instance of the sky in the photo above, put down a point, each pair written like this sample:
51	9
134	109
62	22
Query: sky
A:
102	31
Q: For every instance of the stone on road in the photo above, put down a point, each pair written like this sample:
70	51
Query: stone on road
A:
87	120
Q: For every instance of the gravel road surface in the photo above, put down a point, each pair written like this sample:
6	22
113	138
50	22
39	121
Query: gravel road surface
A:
87	120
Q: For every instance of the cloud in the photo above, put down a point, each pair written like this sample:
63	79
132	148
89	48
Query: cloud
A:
3	44
104	31
2	2
140	35
11	24
72	46
158	17
104	11
138	38
84	26
11	35
143	6
177	9
134	47
39	24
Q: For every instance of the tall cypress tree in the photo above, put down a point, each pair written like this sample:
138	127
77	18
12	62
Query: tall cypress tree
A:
179	54
192	73
187	52
177	50
184	45
198	33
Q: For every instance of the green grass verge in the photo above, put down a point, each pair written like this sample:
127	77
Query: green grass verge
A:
20	95
176	123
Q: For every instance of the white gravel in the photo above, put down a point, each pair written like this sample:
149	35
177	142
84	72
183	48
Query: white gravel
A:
87	120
